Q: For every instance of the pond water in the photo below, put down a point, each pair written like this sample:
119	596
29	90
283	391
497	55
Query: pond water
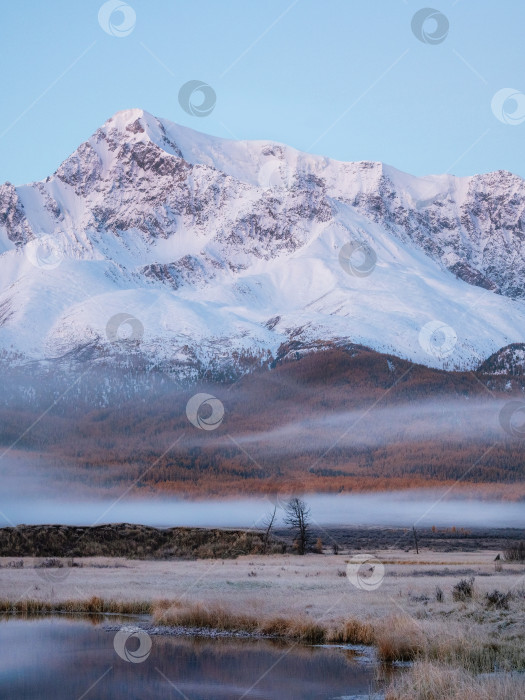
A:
59	658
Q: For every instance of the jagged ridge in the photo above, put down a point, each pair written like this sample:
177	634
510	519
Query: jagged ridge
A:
207	241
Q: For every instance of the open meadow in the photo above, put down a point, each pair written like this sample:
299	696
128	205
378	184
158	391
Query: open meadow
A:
460	642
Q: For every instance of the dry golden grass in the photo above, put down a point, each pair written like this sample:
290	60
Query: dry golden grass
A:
431	562
465	644
398	638
32	606
221	617
352	632
216	616
449	654
300	628
451	642
431	681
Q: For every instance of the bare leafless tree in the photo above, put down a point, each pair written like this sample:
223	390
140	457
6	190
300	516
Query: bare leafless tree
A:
268	522
297	516
415	538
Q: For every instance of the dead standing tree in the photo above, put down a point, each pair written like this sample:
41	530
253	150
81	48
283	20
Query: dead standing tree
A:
268	522
415	538
297	517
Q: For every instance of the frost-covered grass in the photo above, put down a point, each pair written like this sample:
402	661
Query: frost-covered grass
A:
433	681
453	644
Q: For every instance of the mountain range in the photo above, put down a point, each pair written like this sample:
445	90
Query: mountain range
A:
158	245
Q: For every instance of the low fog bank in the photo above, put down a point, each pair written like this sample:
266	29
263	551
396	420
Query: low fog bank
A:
454	419
425	508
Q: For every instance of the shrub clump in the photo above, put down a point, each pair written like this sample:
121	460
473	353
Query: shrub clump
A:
51	563
498	600
464	589
516	552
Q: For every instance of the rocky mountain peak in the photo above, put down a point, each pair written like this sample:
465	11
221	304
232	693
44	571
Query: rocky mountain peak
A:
205	240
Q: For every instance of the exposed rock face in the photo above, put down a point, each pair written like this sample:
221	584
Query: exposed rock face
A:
206	239
474	226
12	215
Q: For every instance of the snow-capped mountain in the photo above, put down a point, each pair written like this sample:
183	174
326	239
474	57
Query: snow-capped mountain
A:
201	250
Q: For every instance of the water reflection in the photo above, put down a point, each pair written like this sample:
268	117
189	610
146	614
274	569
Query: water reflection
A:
62	658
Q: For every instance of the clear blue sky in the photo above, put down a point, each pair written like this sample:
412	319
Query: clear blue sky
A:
344	78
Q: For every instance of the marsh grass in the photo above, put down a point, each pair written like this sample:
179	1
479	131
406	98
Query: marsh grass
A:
352	632
465	644
220	617
470	643
32	606
428	680
214	616
398	638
